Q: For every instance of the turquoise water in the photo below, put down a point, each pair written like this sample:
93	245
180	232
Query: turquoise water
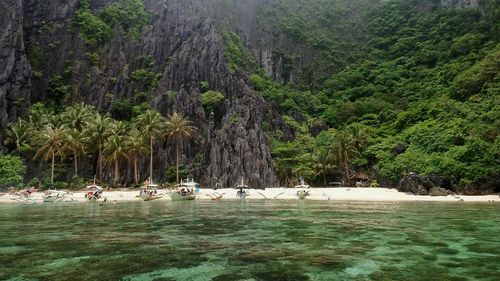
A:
252	240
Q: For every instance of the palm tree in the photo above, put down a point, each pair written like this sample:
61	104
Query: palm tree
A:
52	143
18	134
114	151
345	150
359	136
99	130
178	128
150	124
76	141
135	146
322	162
78	116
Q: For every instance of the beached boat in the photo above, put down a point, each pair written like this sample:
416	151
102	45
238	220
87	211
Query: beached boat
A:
302	193
302	184
185	191
148	192
242	193
96	193
150	197
216	195
52	196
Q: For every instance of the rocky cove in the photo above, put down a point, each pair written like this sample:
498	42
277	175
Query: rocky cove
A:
320	58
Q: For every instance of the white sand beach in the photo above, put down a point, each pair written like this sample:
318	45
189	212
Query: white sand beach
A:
334	194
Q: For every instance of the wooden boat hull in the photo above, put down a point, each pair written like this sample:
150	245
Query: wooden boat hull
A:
302	194
150	198
242	195
178	197
51	199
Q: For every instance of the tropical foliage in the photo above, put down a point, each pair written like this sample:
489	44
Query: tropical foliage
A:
423	87
12	170
81	131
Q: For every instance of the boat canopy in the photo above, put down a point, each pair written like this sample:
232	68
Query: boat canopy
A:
188	183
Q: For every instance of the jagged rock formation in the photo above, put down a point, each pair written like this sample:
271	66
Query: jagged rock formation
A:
14	68
423	185
183	43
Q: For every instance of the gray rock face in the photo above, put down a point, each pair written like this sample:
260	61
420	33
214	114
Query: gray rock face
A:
438	191
14	68
183	41
423	185
412	183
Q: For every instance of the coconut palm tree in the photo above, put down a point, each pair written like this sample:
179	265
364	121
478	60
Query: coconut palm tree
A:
78	116
135	146
359	136
18	135
51	142
345	151
114	151
178	128
323	162
99	130
76	141
150	124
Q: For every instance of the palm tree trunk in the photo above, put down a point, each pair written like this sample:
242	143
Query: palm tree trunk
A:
136	174
99	165
346	172
52	173
324	178
117	172
177	161
151	160
76	163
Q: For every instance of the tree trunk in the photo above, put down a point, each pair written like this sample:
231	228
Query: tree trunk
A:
151	161
346	171
52	173
99	166
324	178
136	174
117	172
177	160
76	164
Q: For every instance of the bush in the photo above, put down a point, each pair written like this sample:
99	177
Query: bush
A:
93	30
171	173
12	170
77	182
211	99
35	182
121	109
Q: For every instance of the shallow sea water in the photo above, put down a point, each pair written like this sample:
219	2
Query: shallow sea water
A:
250	240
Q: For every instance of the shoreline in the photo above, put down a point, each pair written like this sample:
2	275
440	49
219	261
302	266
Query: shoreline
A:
367	194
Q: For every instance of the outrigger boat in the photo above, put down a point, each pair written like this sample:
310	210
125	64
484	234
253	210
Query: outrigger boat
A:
94	195
148	192
185	191
52	196
303	193
242	193
216	195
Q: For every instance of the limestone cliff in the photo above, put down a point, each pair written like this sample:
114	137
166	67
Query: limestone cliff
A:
182	45
14	68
